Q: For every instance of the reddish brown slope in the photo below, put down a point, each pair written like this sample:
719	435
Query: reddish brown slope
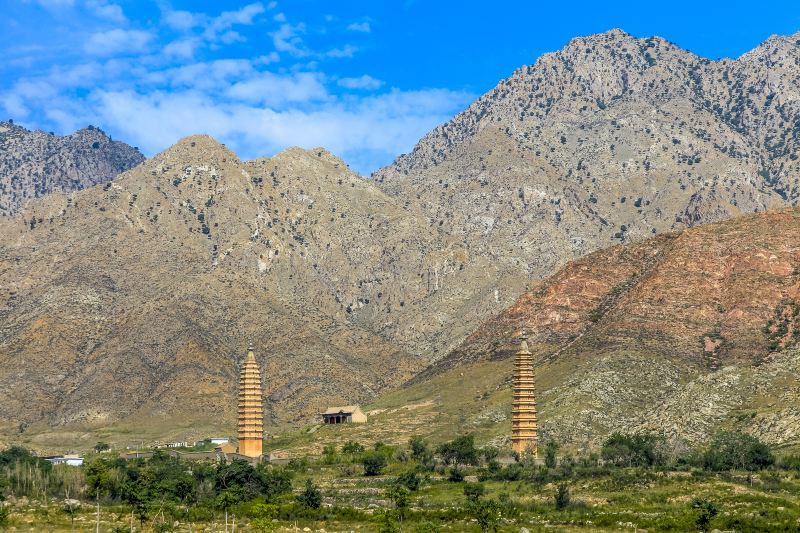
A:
704	296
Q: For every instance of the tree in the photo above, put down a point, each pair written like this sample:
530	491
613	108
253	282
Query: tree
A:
227	499
473	491
460	450
400	498
101	446
419	448
550	452
135	496
352	448
374	462
409	480
706	511
311	497
486	512
633	450
737	451
562	496
264	515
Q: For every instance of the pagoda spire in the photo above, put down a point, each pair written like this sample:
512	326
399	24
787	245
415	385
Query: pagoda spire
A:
524	436
251	407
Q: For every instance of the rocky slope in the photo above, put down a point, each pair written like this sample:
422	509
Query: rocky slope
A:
35	163
612	139
130	304
682	334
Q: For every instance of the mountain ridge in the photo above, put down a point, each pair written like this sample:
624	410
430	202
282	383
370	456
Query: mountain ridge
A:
35	163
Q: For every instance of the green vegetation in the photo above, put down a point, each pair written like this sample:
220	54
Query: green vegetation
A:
733	483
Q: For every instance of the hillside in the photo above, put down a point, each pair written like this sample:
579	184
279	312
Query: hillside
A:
35	163
130	304
611	139
682	334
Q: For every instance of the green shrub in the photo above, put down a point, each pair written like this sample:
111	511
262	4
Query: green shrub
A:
706	511
550	451
374	462
459	451
311	497
737	451
352	448
474	491
409	480
633	450
456	475
562	497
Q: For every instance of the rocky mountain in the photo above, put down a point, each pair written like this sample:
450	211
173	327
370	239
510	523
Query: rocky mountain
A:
35	163
612	139
682	334
131	302
143	291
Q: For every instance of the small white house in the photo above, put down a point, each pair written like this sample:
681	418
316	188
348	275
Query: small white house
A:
70	460
219	440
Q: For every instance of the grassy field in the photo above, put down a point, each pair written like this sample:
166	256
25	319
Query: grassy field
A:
599	499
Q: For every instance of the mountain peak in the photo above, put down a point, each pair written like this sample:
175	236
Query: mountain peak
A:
313	156
198	147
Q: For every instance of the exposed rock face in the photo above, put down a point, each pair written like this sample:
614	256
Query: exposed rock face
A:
612	139
35	163
682	334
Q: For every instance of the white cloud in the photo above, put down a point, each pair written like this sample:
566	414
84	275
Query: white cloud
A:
182	48
274	90
107	10
362	82
343	52
55	4
117	41
141	81
182	20
363	27
287	39
367	132
228	19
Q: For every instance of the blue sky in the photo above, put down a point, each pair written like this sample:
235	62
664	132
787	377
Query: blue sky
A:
365	79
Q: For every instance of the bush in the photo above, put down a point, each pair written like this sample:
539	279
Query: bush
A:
456	476
706	511
459	451
473	491
409	480
352	448
419	448
633	450
550	451
374	462
562	496
737	451
311	496
486	512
